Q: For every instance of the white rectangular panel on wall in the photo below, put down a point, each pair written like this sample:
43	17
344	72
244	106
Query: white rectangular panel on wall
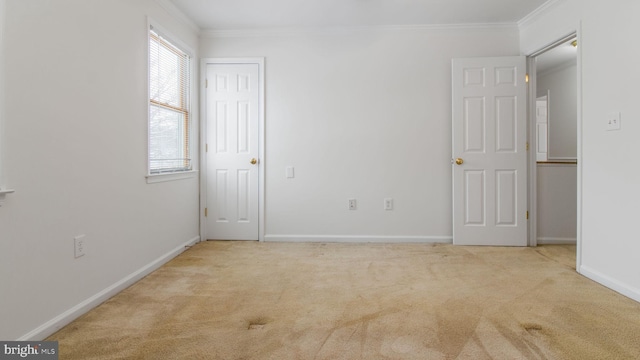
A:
489	156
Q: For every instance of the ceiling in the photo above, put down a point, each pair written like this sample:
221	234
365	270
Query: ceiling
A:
251	14
561	55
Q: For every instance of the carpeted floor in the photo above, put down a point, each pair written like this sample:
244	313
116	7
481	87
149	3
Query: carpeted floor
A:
249	300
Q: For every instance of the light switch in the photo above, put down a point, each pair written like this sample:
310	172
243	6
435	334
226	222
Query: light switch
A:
289	172
613	121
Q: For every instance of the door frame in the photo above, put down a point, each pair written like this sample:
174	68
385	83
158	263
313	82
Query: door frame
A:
261	137
533	183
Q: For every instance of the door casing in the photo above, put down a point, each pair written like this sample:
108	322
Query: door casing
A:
533	183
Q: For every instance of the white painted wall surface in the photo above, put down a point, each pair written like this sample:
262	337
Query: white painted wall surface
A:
561	83
556	199
364	114
75	147
609	188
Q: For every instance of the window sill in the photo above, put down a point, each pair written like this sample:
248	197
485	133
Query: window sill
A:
158	178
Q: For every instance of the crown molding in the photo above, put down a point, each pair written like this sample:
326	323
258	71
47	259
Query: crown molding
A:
338	30
541	10
178	14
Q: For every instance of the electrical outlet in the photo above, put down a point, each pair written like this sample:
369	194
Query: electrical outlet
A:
388	204
79	246
353	205
613	121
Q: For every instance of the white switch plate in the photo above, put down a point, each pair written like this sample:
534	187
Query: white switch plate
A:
613	121
78	242
289	172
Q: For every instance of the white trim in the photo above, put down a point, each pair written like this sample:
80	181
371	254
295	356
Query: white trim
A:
260	61
293	31
542	9
533	166
168	35
532	187
68	316
178	14
157	178
579	151
556	241
360	239
611	283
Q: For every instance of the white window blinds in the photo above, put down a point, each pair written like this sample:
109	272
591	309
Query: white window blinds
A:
169	124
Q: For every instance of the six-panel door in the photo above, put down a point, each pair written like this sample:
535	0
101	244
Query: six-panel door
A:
232	103
489	136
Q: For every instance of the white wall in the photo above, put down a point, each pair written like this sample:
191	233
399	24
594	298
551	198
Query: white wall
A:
561	84
556	200
609	182
75	151
362	113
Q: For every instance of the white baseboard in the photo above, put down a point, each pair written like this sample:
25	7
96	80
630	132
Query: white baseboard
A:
556	241
58	322
359	239
615	285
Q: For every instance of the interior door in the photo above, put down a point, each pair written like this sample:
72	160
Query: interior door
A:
489	151
232	106
542	115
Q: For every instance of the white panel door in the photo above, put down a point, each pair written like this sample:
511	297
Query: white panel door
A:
232	105
489	151
542	116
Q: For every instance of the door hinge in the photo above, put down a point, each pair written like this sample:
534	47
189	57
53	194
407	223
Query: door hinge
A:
206	147
527	146
526	78
527	214
206	212
206	83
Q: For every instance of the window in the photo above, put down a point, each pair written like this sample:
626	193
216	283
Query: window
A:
169	124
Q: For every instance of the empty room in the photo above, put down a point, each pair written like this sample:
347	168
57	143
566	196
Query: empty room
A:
354	179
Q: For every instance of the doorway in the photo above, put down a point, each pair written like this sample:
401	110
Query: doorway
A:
555	137
233	151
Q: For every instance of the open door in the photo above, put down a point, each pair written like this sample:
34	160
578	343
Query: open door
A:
489	156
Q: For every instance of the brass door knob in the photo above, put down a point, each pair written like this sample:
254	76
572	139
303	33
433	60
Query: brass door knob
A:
459	161
254	161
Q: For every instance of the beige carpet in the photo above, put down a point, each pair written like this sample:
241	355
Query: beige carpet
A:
248	300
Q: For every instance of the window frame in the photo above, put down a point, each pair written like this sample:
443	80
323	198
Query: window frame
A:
154	177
